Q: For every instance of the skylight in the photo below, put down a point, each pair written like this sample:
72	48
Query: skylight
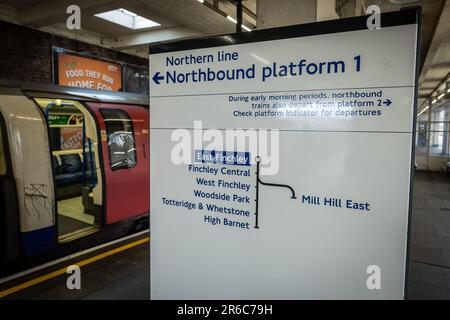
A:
127	19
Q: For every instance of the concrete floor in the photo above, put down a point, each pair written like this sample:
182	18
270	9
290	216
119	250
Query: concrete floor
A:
429	276
122	276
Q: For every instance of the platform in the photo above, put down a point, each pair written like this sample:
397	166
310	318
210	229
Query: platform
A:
430	237
121	269
118	270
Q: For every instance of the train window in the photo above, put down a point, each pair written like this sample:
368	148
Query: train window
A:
121	145
2	154
66	138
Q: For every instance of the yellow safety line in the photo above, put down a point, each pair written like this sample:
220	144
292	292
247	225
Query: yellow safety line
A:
61	271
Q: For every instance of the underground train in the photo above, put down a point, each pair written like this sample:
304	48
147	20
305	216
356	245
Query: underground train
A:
74	170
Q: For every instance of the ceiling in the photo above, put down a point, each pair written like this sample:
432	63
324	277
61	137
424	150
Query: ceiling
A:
436	59
190	18
169	13
178	19
435	42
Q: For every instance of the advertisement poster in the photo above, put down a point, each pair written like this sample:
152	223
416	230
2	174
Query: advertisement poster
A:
81	72
71	138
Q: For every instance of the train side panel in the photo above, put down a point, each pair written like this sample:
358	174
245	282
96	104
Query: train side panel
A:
29	147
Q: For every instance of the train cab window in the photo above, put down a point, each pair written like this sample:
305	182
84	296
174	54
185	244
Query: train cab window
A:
121	143
2	154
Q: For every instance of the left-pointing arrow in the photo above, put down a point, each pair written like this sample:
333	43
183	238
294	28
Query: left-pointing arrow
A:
157	77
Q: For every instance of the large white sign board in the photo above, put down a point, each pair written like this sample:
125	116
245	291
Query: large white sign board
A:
342	98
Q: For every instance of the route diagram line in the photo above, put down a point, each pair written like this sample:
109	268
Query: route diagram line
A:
259	181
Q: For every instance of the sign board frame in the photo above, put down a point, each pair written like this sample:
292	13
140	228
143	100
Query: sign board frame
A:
411	16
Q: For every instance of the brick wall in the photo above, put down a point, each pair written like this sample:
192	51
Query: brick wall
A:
26	54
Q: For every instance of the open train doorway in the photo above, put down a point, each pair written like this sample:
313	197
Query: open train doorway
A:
74	155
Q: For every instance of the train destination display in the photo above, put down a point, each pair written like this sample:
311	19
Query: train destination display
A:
281	162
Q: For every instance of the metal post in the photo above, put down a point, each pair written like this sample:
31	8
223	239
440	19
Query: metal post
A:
84	151
91	160
239	15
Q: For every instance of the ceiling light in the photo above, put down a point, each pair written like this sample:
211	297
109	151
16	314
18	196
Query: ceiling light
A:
127	19
434	101
231	19
423	110
441	96
403	1
201	1
243	26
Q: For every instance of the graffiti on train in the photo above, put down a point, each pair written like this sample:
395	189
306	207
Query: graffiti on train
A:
37	199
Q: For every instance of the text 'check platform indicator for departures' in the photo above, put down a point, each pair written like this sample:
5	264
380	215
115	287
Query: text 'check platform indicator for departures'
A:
319	207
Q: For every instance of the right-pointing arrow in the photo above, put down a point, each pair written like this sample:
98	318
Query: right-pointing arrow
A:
157	77
387	102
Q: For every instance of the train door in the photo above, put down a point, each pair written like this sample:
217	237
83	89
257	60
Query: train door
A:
9	213
125	144
32	172
74	154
